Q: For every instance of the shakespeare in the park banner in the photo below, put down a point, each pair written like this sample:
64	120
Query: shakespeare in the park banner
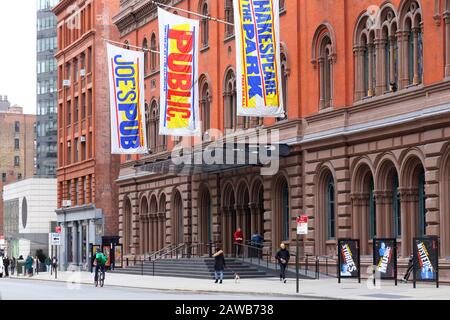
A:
126	81
258	64
179	75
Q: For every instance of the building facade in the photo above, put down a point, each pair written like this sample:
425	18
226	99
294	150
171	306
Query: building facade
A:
46	95
366	89
29	207
86	169
17	150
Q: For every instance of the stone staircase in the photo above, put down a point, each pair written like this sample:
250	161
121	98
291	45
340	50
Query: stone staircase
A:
198	268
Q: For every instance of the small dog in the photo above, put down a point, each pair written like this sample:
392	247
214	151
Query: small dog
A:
236	278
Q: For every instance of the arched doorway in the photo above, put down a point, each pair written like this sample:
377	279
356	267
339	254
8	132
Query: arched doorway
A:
162	222
412	203
153	225
243	211
177	219
257	207
205	219
281	212
229	223
127	226
364	208
143	217
326	213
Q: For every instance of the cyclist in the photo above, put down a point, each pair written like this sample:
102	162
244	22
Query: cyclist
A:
99	262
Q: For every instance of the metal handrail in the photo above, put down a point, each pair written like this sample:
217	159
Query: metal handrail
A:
159	252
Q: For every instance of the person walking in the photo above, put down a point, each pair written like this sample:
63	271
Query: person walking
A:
37	265
13	265
283	257
54	264
238	239
48	264
219	265
29	265
409	270
6	263
257	241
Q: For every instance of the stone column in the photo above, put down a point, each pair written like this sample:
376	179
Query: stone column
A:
381	85
141	235
360	220
416	78
409	214
322	81
253	218
402	37
80	243
383	214
392	41
62	249
447	43
155	232
370	91
88	189
74	243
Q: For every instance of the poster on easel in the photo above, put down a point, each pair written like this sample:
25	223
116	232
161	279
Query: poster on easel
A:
385	259
349	259
426	260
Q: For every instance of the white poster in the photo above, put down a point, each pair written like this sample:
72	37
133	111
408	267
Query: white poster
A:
179	48
258	63
126	81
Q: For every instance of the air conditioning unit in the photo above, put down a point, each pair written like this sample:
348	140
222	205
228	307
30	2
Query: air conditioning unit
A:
66	83
66	203
69	144
83	72
83	138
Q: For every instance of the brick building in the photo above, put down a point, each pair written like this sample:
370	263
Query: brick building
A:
367	95
87	206
17	135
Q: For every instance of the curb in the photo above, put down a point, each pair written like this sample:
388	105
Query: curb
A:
200	291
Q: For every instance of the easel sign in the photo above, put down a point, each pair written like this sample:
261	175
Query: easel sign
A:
349	259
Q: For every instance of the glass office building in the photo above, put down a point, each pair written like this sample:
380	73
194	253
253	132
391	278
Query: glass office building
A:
46	122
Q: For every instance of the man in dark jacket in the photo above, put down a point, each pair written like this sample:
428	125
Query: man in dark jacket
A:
6	265
283	257
219	265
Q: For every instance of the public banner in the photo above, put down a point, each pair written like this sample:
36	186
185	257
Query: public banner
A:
126	81
426	253
385	257
179	96
258	63
348	258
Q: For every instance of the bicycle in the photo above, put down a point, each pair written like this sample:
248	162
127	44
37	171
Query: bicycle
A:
100	279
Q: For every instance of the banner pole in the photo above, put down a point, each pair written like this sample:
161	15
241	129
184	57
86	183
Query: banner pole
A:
297	261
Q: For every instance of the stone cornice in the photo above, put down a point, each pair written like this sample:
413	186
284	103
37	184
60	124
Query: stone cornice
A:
134	14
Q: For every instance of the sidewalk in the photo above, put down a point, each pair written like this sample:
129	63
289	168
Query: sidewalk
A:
317	289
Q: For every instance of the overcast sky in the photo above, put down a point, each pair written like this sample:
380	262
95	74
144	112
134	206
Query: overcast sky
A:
18	52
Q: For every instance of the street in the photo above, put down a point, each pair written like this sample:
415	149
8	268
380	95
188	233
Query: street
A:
15	289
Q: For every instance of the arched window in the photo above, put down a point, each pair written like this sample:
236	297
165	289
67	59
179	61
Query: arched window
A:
331	214
326	73
153	54
205	25
153	142
323	58
396	207
145	47
412	42
230	103
205	105
229	17
376	54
